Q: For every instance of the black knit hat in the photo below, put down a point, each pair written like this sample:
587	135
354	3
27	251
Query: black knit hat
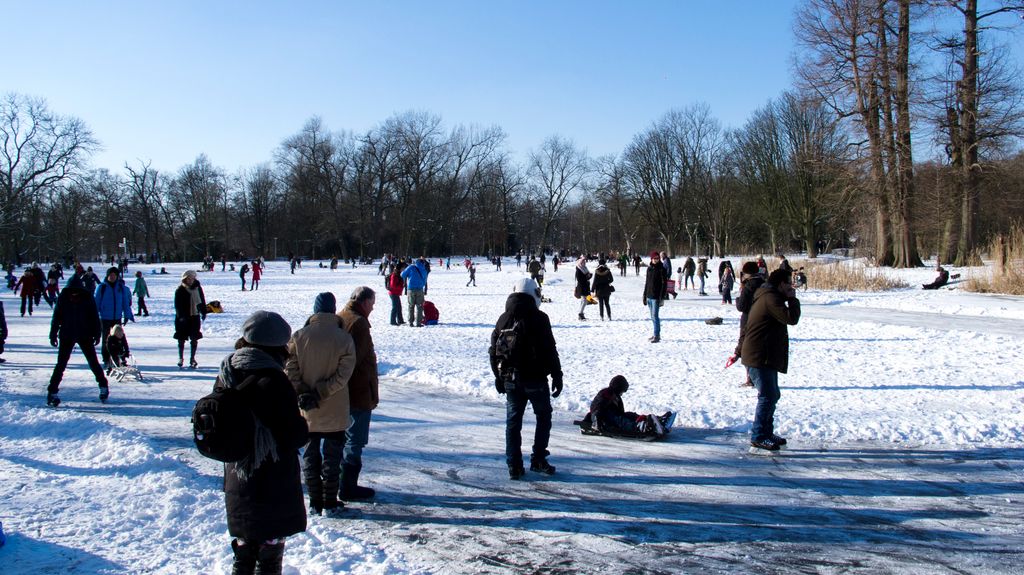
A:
618	384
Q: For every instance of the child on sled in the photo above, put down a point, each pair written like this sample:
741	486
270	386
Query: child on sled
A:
117	347
608	415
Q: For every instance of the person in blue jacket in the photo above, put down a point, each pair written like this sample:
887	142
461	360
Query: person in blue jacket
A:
415	277
114	302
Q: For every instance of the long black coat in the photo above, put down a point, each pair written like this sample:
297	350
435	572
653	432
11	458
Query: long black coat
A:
654	287
603	279
75	317
269	504
582	283
540	356
186	325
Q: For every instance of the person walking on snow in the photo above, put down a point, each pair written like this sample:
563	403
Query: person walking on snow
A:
363	391
263	492
75	322
472	274
141	291
321	357
766	352
654	293
523	378
582	290
114	302
189	313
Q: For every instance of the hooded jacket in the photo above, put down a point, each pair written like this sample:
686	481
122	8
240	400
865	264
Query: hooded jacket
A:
321	357
603	279
75	317
582	279
363	384
539	354
766	338
654	286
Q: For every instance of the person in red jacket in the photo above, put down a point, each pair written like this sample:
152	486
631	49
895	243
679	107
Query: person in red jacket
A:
257	273
396	285
27	283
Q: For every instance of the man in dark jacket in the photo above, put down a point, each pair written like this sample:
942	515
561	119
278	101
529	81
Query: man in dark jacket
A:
263	492
766	352
524	377
654	293
75	322
3	331
750	280
363	393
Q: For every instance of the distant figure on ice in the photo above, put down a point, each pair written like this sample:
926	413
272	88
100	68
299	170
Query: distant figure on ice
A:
3	331
141	291
27	283
940	280
189	313
242	273
472	274
689	268
582	290
257	273
654	293
523	355
602	287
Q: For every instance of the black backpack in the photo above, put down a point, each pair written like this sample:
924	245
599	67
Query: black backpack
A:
223	424
508	349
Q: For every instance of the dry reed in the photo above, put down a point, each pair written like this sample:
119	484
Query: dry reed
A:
1007	271
847	276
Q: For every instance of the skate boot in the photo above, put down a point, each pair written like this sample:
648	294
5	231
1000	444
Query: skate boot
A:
52	400
104	393
516	471
540	465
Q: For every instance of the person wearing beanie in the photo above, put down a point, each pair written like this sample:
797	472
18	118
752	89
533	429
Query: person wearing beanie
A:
263	492
321	357
750	280
141	291
114	302
395	286
522	374
765	352
602	287
609	416
363	392
654	293
75	322
189	313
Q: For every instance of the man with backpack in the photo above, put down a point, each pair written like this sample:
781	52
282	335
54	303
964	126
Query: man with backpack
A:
415	277
523	355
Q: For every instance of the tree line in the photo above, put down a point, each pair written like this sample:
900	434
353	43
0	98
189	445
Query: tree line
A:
829	163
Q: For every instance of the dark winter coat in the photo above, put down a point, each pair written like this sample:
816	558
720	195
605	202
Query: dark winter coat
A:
363	392
117	347
654	286
582	282
744	299
539	356
269	503
766	343
40	278
75	317
689	267
603	278
188	322
533	267
606	405
3	325
27	283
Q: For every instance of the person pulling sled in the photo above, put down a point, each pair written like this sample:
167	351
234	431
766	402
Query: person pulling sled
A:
608	416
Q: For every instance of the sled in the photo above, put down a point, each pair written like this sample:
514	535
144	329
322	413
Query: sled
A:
214	307
587	428
670	287
129	371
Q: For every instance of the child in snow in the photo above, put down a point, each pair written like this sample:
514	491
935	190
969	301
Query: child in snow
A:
608	415
117	346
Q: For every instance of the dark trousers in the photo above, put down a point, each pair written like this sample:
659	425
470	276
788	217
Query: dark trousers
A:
396	310
143	310
515	407
107	324
767	383
64	349
602	304
322	469
26	298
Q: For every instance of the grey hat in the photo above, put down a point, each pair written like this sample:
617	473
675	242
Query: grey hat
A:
266	328
325	302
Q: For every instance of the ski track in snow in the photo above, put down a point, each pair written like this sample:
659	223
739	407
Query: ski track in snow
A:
903	409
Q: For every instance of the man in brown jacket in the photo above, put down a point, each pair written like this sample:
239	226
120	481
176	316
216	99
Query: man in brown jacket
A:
321	357
362	391
766	352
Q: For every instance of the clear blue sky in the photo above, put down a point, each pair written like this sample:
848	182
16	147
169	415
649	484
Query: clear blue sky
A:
166	81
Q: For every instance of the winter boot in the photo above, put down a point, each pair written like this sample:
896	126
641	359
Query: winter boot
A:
350	488
516	471
330	495
52	400
104	393
540	464
270	558
245	558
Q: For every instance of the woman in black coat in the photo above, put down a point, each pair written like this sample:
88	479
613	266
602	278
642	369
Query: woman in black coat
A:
602	287
263	493
189	313
583	276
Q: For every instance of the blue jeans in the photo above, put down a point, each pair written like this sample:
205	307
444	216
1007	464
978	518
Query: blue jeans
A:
702	284
515	407
655	306
322	470
767	383
357	435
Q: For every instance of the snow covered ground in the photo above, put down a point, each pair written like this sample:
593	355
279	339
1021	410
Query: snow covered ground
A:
904	410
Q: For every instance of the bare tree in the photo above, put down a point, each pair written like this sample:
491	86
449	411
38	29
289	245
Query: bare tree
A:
556	170
40	150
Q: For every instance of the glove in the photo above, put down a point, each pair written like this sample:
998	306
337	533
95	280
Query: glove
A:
53	341
732	359
309	401
203	316
499	385
556	386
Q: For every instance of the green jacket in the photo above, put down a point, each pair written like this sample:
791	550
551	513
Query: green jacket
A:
140	288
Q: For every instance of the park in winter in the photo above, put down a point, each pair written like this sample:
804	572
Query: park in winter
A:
758	265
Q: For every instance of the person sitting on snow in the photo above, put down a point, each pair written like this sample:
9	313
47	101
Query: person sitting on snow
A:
117	347
608	415
941	280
